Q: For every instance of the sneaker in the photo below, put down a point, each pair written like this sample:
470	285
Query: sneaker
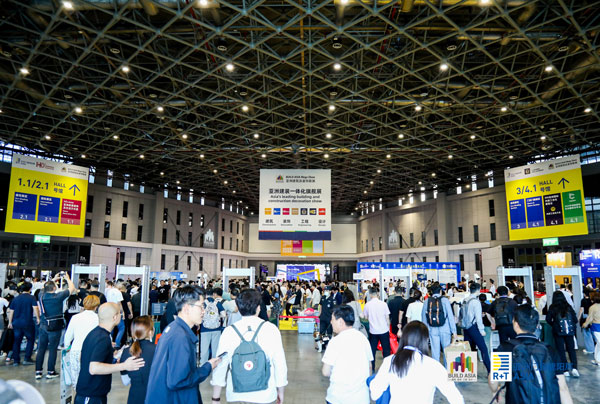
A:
38	374
15	364
594	362
27	363
8	359
574	373
587	352
52	375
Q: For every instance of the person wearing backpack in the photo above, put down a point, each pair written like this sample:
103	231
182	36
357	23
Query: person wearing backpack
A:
563	320
537	376
437	316
503	309
472	323
211	328
253	369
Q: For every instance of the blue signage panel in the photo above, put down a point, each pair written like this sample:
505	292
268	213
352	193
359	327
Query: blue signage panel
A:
411	265
517	214
589	261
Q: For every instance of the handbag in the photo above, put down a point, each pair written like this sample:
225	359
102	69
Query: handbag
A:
52	323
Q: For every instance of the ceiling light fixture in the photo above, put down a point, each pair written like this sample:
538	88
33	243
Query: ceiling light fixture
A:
201	156
233	192
328	135
485	2
365	191
160	108
371	182
47	137
587	110
548	68
337	66
116	137
473	137
256	136
142	156
215	171
24	71
78	110
331	107
504	109
68	5
184	136
444	66
401	136
162	173
418	108
177	182
203	3
245	108
125	68
336	42
433	174
542	137
225	182
326	155
378	171
388	156
263	156
511	157
83	156
450	157
230	67
222	44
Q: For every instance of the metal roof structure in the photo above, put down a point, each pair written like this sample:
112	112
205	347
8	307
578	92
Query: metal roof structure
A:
386	94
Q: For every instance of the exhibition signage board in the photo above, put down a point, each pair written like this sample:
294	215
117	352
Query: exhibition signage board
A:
295	248
444	272
548	242
589	261
46	197
546	199
295	205
41	239
559	260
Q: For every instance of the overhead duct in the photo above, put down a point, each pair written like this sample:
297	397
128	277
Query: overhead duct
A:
409	4
147	5
525	15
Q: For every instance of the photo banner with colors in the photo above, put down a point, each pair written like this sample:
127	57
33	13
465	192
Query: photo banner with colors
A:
308	248
295	205
546	199
46	197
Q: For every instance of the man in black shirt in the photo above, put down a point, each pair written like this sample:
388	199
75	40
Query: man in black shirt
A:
83	291
163	292
395	301
97	363
94	285
503	309
136	303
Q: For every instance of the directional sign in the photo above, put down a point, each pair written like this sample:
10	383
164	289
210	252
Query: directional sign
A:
46	197
546	200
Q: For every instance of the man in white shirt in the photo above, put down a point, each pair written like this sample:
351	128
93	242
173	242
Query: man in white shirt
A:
316	297
114	295
492	287
346	360
378	314
268	338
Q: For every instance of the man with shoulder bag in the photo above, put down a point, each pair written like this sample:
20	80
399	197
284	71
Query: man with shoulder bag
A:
51	324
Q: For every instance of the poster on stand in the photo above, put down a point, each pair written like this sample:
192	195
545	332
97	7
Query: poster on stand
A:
546	199
46	197
295	205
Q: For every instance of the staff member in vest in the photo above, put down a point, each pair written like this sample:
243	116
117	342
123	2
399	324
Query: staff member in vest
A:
268	337
503	310
174	377
437	315
51	324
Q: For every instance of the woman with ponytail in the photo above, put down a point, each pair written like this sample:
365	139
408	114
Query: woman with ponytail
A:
142	331
411	374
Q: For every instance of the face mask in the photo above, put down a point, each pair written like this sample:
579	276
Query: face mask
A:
327	293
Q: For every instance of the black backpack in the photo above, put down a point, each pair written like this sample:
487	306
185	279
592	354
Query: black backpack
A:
502	314
435	312
565	324
533	374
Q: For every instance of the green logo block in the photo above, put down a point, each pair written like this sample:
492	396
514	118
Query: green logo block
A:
307	246
573	207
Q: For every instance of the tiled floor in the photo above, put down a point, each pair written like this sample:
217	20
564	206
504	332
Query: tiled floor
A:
307	386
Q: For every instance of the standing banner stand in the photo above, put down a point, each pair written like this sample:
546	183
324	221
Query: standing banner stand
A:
575	274
98	270
525	272
242	272
144	273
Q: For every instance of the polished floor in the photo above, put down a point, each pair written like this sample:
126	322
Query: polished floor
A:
307	386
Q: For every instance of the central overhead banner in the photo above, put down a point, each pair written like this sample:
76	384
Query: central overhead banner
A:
295	205
546	199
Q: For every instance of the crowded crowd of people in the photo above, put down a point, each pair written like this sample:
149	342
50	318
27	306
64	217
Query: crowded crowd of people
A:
234	336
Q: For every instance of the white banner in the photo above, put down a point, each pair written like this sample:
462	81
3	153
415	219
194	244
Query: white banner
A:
295	205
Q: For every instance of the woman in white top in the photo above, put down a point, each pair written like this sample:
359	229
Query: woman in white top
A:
411	374
79	327
414	310
348	299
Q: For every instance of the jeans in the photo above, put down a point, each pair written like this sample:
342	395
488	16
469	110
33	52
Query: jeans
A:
569	340
597	349
385	345
79	399
438	342
20	332
48	341
506	332
588	338
121	328
475	339
209	340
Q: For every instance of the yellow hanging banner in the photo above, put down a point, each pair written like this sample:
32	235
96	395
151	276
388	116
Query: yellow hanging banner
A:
546	199
46	197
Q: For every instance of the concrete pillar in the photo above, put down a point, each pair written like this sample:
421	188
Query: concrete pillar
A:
443	226
157	236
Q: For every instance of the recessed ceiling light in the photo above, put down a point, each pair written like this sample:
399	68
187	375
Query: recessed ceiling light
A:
328	135
542	137
511	157
225	182
331	107
177	182
418	108
548	68
184	136
202	156
230	67
116	137
401	136
162	173
47	137
24	71
378	171
215	171
337	66
160	108
388	156
450	156
83	156
68	5
78	110
125	69
420	182
365	191
444	67
587	110
245	108
504	109
233	192
473	137
263	156
142	156
326	155
433	174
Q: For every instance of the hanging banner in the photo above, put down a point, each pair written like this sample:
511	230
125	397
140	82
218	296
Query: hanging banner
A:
295	248
46	197
295	205
546	199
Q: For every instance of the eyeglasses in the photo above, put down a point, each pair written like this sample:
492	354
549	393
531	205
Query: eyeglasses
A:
201	305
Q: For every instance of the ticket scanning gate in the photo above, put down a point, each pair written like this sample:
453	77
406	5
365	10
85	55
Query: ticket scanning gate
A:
404	274
144	273
525	272
98	270
551	287
244	272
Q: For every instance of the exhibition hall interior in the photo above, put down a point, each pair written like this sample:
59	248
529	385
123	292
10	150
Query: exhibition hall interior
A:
394	201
